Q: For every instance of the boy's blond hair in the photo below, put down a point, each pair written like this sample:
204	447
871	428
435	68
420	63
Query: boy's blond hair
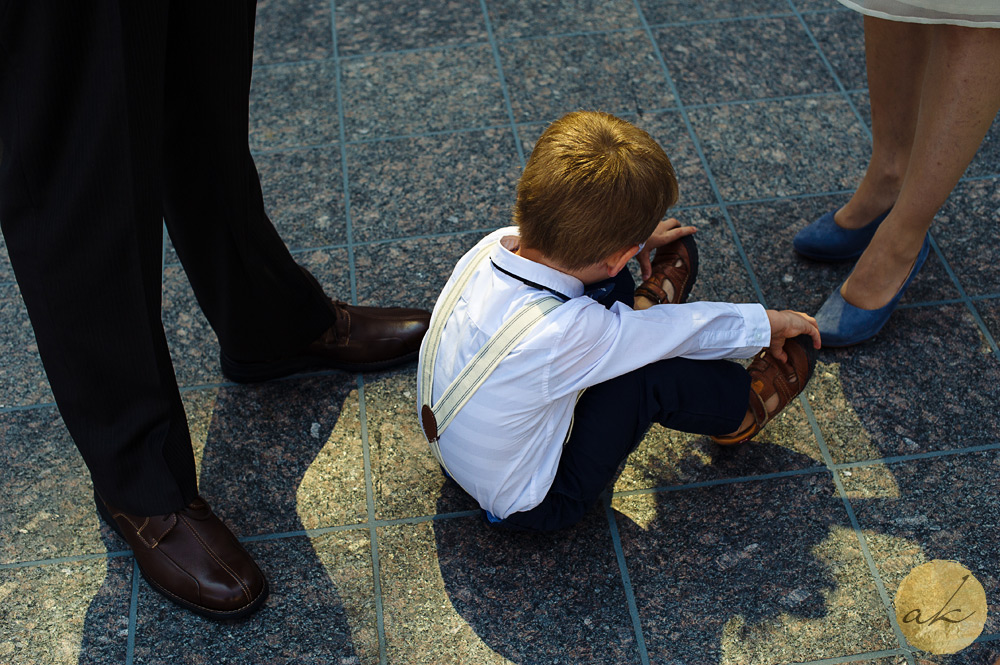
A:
594	184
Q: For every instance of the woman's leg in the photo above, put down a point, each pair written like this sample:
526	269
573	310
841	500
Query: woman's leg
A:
896	57
959	99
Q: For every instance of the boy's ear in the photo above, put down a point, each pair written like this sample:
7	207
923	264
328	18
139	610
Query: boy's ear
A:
620	259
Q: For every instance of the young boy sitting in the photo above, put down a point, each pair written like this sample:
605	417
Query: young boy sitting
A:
567	372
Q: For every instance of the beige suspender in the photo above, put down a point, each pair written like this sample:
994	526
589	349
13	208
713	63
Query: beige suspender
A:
436	419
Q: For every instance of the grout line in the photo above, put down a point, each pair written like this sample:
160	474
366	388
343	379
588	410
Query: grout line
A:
341	132
633	608
27	407
416	49
372	528
133	615
983	330
65	559
988	296
916	456
723	481
428	134
366	451
503	82
858	533
858	657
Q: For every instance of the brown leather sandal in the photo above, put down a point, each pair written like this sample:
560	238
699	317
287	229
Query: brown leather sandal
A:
769	376
665	269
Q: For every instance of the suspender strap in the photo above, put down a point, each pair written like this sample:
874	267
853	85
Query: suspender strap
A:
437	418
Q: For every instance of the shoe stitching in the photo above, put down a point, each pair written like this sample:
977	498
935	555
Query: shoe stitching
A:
184	601
211	552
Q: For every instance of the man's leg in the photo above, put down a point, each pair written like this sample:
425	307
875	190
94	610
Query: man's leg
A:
79	205
81	99
264	308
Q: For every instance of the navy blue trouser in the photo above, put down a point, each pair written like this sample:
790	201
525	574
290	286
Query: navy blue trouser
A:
611	418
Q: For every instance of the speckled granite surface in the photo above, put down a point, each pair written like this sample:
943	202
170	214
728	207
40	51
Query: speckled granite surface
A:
389	138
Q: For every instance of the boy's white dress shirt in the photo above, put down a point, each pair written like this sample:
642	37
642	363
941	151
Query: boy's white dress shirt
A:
504	445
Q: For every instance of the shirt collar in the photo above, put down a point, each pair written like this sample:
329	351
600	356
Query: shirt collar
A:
503	256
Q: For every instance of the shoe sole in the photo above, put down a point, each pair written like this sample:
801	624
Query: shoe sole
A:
232	615
692	248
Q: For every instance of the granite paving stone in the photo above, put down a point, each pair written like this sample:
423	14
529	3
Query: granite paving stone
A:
679	11
514	19
304	196
966	230
668	458
841	38
49	501
22	377
66	613
989	310
456	590
901	394
293	105
6	270
369	26
281	456
292	32
406	479
194	347
782	148
316	611
915	512
741	60
750	573
790	281
819	6
669	130
410	273
615	72
434	184
744	555
399	94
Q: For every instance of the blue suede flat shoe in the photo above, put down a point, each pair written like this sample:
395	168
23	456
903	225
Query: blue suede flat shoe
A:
842	324
823	240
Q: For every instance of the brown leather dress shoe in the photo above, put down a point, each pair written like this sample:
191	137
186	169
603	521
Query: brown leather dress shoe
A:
193	559
361	339
675	264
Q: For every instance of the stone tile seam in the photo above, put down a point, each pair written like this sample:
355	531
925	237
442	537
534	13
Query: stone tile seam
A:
372	529
858	533
626	579
498	63
362	414
345	181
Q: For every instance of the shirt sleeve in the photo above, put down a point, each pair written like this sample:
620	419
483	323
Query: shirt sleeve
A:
598	344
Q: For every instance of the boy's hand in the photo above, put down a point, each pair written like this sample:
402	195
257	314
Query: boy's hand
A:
665	233
787	324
